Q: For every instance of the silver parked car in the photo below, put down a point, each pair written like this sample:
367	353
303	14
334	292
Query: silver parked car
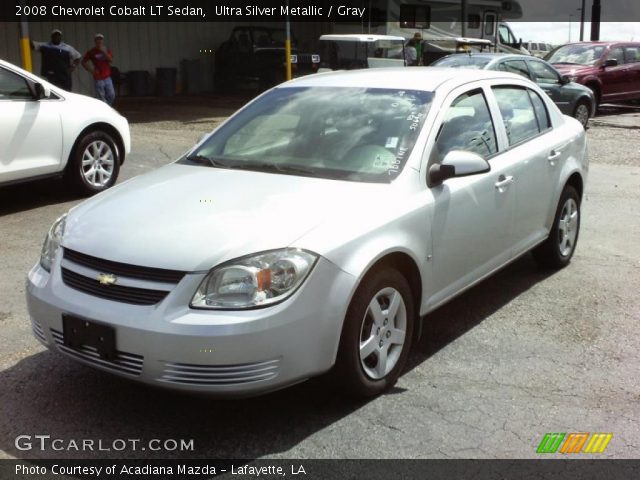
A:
571	98
312	230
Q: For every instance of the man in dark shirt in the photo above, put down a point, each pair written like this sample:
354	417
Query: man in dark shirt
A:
100	56
58	60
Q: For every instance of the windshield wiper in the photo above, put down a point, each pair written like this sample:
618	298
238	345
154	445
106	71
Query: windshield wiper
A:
207	161
274	167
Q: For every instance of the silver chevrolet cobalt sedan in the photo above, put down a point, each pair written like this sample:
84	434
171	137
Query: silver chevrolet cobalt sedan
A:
312	230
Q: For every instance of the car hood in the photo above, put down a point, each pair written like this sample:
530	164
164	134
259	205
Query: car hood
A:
574	70
192	218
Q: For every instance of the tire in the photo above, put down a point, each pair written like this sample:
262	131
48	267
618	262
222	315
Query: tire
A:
596	94
582	112
379	335
556	251
94	164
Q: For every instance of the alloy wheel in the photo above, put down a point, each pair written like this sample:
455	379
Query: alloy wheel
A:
383	332
568	227
98	162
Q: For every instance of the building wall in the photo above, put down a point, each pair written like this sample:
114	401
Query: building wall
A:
135	45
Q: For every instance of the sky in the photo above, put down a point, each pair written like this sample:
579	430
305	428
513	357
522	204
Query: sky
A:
558	32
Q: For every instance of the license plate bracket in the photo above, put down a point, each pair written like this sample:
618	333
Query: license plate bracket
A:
77	332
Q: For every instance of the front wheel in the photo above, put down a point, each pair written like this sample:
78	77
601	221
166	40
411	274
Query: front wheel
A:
582	113
557	250
94	164
376	337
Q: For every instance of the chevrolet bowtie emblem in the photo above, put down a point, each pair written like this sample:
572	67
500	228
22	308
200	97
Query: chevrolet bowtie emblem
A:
107	279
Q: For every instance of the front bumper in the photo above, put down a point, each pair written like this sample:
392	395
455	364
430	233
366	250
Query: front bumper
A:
227	353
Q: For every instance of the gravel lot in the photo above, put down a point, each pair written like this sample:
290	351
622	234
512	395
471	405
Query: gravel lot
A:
524	353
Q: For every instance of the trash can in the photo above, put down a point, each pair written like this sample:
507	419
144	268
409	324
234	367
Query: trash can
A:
192	76
138	83
166	82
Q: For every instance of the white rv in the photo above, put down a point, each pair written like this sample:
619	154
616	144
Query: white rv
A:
441	26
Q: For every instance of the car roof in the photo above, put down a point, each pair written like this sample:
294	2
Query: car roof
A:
491	55
410	78
357	37
603	43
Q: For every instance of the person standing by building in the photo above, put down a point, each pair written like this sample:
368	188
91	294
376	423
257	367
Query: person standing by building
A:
100	57
417	37
59	60
410	53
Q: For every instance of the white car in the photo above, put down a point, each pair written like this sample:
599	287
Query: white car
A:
312	230
47	131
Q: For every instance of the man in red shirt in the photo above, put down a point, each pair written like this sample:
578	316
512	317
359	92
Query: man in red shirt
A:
100	57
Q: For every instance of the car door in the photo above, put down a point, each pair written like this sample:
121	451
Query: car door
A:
632	60
473	215
614	77
30	130
538	151
550	81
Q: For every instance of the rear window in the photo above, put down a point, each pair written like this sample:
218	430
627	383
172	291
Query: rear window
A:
462	61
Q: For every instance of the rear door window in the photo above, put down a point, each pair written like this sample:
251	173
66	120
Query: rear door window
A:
631	54
518	113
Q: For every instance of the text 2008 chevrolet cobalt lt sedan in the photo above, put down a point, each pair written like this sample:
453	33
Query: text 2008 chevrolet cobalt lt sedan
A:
312	230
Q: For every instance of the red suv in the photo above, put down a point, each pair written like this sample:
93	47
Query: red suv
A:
610	69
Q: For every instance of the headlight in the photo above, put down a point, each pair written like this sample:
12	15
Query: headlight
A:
315	58
254	281
294	58
52	242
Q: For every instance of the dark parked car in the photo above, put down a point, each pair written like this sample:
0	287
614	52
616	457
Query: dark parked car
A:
571	98
256	53
610	69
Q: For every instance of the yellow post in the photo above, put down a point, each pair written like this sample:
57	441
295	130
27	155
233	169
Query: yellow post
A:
25	46
287	46
287	53
25	49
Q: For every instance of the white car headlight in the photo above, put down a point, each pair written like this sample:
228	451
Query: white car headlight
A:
52	242
254	281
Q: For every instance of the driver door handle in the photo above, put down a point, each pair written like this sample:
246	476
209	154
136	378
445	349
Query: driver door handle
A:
503	182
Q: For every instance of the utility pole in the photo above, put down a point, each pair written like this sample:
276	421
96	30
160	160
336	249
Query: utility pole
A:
595	20
582	20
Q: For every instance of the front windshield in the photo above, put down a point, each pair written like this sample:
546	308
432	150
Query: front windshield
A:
346	133
576	54
462	61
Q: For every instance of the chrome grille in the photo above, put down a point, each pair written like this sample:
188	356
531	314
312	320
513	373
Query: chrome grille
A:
128	363
192	374
118	293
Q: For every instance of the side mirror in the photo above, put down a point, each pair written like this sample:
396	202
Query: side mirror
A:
40	91
610	63
564	80
457	163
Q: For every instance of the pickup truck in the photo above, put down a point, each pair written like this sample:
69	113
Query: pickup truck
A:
255	53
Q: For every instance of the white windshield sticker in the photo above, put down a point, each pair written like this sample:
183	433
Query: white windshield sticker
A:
392	142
